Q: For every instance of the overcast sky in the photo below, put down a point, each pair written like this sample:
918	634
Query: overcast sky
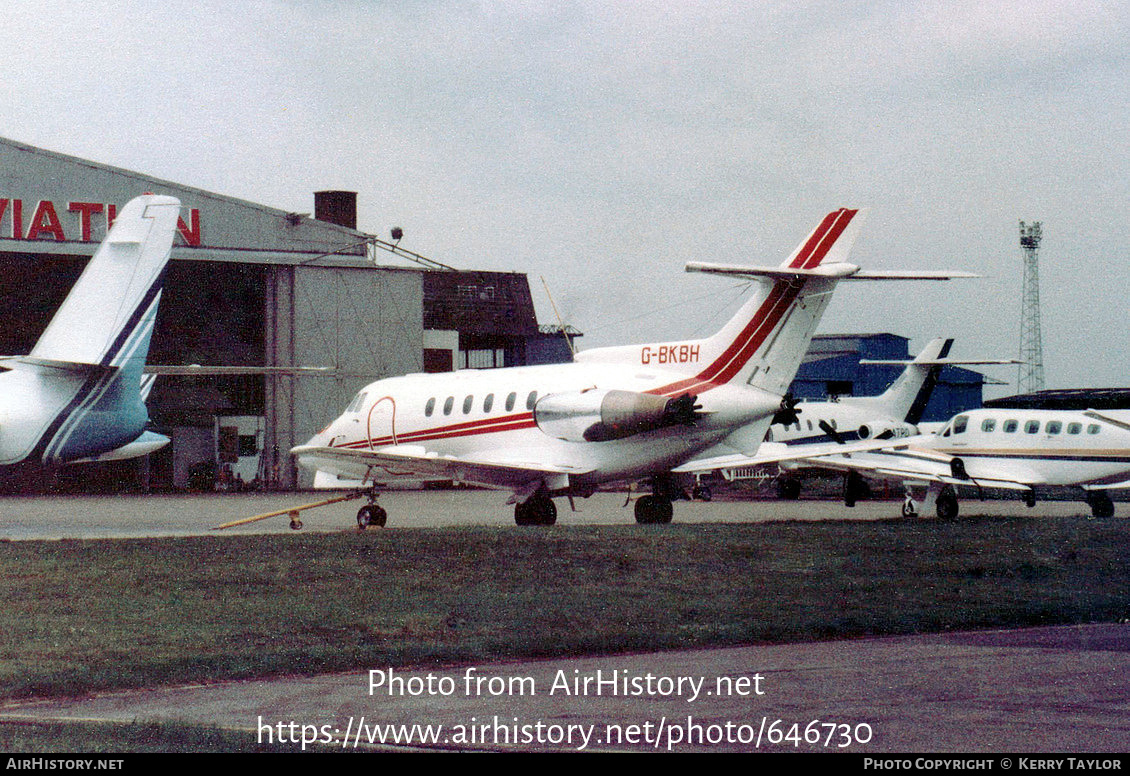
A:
601	145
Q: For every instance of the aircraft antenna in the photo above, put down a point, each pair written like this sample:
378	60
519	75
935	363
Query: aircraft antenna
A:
1031	370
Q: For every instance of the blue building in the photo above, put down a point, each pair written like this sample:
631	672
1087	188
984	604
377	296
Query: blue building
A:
832	368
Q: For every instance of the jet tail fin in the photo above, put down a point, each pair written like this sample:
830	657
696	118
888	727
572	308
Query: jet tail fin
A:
107	317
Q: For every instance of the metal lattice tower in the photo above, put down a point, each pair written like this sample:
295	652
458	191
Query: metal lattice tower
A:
1031	376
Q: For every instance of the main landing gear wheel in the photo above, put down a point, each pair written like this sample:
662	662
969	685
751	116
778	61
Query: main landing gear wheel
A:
371	514
909	508
538	510
295	523
947	504
1101	505
701	493
654	510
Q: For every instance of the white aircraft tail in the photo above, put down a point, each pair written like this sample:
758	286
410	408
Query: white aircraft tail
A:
99	337
907	396
108	316
763	344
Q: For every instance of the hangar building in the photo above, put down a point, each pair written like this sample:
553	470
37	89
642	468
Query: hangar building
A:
248	286
273	292
832	368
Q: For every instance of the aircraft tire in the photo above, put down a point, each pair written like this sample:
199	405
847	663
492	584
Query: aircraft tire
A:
1101	505
788	488
947	504
539	510
371	514
653	510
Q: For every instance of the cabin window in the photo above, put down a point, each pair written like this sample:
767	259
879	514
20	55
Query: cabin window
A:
467	404
989	424
448	403
810	425
510	399
430	407
1010	426
358	400
531	400
960	423
488	402
1074	428
1053	427
1032	427
1093	428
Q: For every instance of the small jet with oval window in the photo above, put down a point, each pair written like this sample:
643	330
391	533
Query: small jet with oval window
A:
617	414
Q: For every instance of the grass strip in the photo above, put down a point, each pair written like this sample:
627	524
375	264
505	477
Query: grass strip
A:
80	616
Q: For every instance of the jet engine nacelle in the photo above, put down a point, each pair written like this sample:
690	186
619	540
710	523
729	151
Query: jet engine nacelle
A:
884	430
598	415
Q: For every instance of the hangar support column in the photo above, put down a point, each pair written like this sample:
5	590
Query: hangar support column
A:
279	389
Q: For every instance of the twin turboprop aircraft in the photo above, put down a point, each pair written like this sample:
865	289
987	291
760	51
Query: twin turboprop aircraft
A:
619	414
78	395
1085	451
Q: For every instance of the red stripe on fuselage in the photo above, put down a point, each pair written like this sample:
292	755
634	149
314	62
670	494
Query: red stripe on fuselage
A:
484	426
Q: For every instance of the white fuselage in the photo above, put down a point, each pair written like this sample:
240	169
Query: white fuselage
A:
488	415
1046	447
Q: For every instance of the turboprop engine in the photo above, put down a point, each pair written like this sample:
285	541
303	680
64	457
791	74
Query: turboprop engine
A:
597	415
883	430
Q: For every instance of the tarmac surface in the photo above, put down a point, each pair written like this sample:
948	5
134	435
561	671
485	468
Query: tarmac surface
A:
132	516
1064	689
1044	690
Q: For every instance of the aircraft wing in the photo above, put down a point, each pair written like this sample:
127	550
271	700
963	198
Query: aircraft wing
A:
911	463
905	460
414	462
777	452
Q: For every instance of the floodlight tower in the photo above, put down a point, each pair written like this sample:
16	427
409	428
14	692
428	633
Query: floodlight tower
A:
1031	377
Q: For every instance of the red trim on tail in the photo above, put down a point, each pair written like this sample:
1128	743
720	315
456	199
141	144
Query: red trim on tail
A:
768	315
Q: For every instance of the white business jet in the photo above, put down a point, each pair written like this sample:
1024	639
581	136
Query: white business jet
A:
78	395
894	414
618	414
1083	451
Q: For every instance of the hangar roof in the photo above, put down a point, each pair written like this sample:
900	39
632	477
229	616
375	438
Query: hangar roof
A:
59	204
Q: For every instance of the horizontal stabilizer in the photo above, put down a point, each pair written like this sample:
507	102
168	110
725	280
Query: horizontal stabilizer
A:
205	370
836	270
841	270
938	361
66	366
